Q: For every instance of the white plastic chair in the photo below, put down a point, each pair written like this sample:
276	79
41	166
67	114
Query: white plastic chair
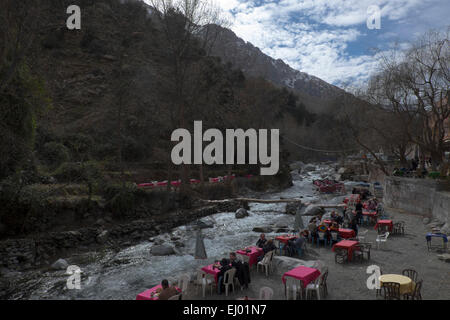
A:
265	293
322	236
293	287
266	262
183	282
229	279
314	286
334	237
382	238
362	235
204	281
244	258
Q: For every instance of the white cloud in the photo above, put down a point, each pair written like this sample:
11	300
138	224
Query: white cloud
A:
313	35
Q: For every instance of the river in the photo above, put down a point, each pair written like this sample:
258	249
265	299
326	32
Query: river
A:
122	275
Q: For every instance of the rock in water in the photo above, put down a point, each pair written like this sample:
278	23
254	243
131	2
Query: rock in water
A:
241	213
265	229
292	208
61	264
200	251
162	250
312	210
102	237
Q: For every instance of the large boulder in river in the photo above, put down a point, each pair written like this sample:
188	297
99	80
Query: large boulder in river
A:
312	210
102	237
205	224
293	207
162	250
60	264
264	229
241	213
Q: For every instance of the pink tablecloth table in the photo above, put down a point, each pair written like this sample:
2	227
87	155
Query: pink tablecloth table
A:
253	255
304	274
349	245
285	239
210	270
147	295
388	223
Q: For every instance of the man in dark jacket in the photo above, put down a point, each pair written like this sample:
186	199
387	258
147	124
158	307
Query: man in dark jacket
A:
261	241
242	270
225	266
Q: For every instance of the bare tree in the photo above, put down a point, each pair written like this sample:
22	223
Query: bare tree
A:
187	26
415	85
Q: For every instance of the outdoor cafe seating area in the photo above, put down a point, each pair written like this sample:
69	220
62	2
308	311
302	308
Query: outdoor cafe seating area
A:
304	282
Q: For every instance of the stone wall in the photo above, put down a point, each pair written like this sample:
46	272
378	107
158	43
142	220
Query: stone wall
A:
428	198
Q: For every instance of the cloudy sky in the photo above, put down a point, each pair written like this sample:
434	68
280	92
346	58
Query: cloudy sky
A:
330	38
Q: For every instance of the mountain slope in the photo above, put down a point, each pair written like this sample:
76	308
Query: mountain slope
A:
315	92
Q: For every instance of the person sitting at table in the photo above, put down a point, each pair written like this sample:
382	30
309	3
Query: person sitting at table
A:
224	267
334	226
269	246
293	245
336	218
234	260
167	291
261	241
242	270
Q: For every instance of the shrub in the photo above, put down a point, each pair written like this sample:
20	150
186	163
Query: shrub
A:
78	172
55	153
122	199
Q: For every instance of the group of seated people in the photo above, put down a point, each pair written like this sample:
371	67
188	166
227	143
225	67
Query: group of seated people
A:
242	271
291	247
337	221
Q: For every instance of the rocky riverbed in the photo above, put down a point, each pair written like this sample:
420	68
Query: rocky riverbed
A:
122	273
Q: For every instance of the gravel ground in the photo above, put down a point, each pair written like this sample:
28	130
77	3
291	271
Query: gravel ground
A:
348	281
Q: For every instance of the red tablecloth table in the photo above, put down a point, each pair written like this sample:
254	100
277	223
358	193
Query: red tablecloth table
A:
347	233
369	213
285	239
304	274
388	223
349	245
215	272
147	295
253	254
